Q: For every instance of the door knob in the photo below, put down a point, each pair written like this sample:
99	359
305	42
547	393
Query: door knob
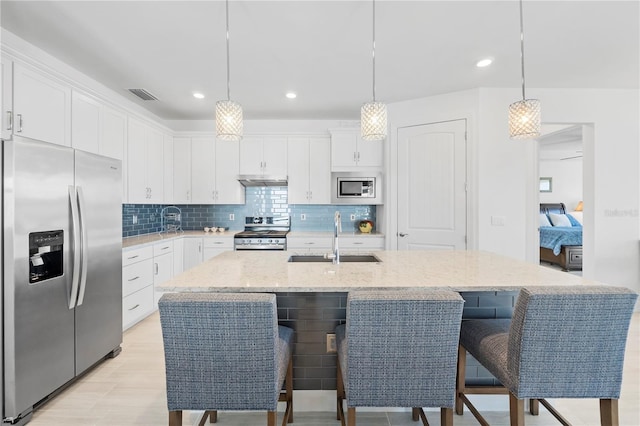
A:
402	234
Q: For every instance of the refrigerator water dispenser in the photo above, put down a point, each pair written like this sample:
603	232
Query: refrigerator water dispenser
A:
45	255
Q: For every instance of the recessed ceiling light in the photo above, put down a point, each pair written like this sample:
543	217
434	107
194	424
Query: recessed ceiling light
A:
291	95
484	63
198	95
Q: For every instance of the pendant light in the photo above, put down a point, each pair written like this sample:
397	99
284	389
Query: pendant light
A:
228	113
373	115
524	115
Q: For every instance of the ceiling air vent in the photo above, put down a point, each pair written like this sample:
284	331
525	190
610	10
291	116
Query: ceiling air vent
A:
143	94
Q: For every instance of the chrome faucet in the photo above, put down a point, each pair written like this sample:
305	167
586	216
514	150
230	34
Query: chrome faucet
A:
337	228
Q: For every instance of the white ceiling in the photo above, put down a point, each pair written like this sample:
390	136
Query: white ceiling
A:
322	49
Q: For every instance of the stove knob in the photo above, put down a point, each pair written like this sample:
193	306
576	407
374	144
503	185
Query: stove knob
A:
259	241
270	241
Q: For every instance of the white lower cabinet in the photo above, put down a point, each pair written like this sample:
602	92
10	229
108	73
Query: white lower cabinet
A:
309	244
137	285
361	244
213	246
193	253
162	267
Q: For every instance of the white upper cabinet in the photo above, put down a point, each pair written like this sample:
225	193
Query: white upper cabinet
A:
309	171
227	168
181	170
6	69
42	106
214	172
203	177
145	163
263	156
85	122
168	168
96	128
349	152
113	133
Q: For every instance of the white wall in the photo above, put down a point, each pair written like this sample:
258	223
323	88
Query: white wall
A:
508	183
566	182
451	106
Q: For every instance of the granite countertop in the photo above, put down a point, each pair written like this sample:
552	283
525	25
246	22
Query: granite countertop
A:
148	239
269	271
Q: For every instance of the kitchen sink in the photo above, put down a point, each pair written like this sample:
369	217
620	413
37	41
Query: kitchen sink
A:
345	258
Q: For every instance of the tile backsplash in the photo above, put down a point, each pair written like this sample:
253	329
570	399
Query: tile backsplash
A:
259	201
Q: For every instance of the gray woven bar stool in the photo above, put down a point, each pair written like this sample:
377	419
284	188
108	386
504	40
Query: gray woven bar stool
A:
562	342
225	351
398	349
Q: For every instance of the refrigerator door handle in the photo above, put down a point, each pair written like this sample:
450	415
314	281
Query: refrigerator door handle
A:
75	277
85	247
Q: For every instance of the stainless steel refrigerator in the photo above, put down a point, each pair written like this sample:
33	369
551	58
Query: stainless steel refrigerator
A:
61	269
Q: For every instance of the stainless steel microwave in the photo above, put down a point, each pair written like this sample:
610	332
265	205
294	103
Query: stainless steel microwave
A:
356	188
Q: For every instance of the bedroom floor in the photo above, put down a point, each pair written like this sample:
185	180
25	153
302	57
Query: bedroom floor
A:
558	268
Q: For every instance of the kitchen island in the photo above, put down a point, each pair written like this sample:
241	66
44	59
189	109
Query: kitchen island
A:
312	297
270	271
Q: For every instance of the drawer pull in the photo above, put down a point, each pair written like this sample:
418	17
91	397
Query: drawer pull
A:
134	278
165	248
133	257
135	307
310	243
218	242
358	243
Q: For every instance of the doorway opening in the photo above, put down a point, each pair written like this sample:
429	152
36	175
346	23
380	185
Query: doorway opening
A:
561	195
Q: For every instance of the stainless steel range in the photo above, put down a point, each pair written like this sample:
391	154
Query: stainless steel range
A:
263	233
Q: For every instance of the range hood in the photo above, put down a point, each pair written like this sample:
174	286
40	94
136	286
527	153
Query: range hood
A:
262	180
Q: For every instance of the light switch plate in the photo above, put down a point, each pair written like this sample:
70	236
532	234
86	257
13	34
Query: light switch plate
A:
232	216
331	343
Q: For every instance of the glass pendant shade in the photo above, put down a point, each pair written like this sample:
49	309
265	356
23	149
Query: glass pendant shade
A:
373	121
524	119
229	120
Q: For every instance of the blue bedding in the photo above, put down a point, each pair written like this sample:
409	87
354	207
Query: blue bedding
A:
554	237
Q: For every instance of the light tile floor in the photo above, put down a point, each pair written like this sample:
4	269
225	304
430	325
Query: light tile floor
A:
130	390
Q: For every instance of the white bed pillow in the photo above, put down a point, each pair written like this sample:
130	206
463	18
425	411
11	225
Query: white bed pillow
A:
544	220
577	216
559	219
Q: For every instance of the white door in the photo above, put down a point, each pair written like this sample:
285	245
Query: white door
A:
137	163
431	186
251	156
155	165
319	171
85	123
298	167
274	156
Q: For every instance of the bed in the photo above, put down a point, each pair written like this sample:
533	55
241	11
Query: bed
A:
560	245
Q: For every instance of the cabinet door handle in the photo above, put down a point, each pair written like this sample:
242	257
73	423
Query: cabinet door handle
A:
199	249
358	155
19	123
310	195
133	279
9	120
354	157
187	195
156	265
136	306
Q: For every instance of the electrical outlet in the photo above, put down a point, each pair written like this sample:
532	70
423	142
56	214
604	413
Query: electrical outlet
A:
303	216
353	217
331	343
232	216
134	219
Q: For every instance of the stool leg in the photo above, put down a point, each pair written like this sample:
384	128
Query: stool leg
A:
462	364
272	416
175	418
351	416
446	416
289	387
415	414
534	407
339	392
516	410
609	412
